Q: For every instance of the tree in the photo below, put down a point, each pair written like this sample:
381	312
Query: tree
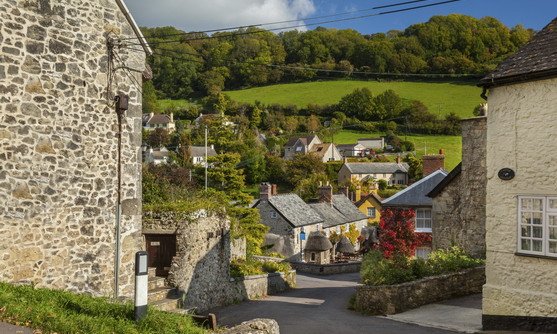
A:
302	166
158	138
313	124
308	187
224	175
387	105
358	104
416	168
150	103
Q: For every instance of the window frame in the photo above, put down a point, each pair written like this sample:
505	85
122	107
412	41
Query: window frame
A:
424	229
374	212
545	226
274	214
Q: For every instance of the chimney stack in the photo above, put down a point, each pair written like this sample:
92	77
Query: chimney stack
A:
273	189
434	162
325	193
358	194
398	159
171	117
344	190
265	191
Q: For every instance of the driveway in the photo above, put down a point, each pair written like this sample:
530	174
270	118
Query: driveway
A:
318	305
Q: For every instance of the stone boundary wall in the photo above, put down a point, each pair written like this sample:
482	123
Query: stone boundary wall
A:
392	299
268	258
256	326
327	269
257	286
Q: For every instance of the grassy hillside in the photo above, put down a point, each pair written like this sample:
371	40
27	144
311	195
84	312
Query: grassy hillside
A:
451	144
441	98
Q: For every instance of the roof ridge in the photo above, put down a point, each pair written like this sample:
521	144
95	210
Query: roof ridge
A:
415	184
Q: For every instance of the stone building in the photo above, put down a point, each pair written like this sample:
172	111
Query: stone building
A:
521	194
300	145
458	211
154	121
59	144
392	172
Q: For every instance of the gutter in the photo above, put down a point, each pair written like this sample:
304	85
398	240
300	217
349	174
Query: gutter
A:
489	82
135	27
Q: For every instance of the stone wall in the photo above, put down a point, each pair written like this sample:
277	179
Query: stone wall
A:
392	299
200	269
257	286
58	146
459	210
255	326
238	248
327	269
521	127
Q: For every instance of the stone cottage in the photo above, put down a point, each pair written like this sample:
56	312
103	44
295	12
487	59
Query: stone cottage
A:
521	195
318	248
392	172
300	145
458	211
59	144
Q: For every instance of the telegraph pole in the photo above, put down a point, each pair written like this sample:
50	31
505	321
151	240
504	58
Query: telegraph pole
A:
206	153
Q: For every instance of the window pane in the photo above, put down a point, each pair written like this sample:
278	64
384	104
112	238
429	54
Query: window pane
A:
526	231
537	245
553	233
420	213
526	204
526	218
525	244
537	204
537	218
553	247
537	232
552	220
427	213
552	203
428	223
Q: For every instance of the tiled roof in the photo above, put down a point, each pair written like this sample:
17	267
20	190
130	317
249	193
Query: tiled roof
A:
537	59
347	208
305	140
199	151
295	210
159	119
416	194
320	149
159	154
377	167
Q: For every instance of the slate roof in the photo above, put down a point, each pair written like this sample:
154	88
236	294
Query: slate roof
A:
535	60
416	194
295	210
364	198
331	216
305	140
317	241
347	208
199	151
156	119
377	167
446	181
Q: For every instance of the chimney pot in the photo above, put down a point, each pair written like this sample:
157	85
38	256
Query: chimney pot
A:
273	189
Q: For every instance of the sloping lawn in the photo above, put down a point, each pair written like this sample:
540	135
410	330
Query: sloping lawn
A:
441	98
54	311
423	143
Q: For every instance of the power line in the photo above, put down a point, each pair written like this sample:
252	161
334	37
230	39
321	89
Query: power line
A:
128	73
167	55
297	26
280	22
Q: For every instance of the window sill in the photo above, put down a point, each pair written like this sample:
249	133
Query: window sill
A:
423	230
536	256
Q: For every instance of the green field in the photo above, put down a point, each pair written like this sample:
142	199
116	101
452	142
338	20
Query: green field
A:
424	144
441	98
166	104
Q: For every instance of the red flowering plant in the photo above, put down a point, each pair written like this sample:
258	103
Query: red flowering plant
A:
397	236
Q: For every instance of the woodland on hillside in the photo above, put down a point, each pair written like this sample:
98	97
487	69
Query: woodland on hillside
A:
193	64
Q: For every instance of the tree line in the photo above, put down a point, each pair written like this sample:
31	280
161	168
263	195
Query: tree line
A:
194	65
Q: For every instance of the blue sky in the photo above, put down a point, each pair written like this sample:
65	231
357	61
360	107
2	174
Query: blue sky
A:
210	14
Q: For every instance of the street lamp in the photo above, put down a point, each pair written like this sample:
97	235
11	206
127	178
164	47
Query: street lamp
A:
302	238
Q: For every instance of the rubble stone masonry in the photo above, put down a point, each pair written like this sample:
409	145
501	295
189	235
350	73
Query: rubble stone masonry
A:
58	146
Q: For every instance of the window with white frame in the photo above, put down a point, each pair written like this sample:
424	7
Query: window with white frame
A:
537	225
371	212
423	220
274	214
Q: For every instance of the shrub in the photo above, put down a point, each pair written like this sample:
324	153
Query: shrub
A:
251	266
273	267
377	270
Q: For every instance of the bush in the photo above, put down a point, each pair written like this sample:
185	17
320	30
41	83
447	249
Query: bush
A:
273	267
376	270
251	266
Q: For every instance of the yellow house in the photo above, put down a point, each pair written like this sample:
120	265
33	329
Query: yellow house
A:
369	205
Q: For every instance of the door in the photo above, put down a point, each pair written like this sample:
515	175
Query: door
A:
161	248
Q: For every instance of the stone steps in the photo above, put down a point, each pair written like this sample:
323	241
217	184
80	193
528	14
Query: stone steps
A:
156	282
160	294
170	304
152	271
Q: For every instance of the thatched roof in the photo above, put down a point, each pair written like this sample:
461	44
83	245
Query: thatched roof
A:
318	242
345	246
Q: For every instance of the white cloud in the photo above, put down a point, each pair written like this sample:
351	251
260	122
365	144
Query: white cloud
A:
198	15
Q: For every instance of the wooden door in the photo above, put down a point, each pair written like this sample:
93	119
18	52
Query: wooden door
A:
161	248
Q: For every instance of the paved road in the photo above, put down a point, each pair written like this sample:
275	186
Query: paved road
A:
318	305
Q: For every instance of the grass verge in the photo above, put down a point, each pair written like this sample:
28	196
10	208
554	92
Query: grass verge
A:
53	311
